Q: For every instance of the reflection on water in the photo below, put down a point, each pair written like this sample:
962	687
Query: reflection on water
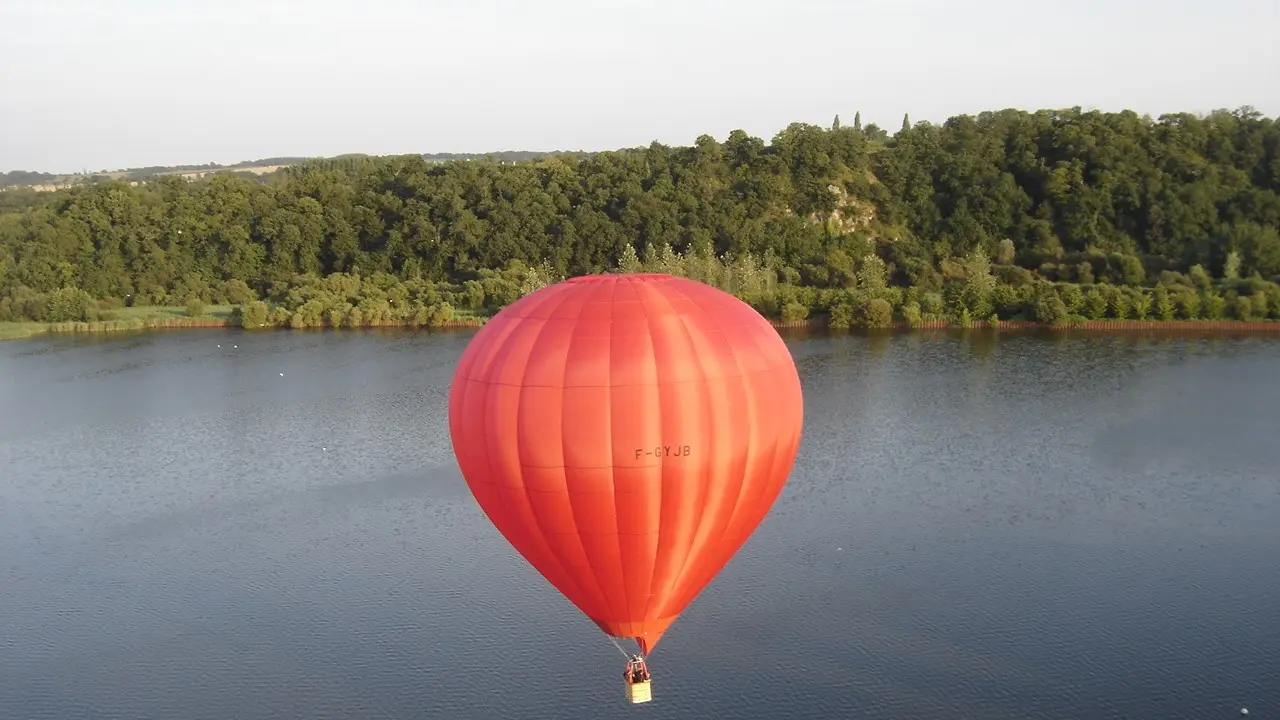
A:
979	525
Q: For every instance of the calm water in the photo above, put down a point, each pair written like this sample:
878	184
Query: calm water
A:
1029	528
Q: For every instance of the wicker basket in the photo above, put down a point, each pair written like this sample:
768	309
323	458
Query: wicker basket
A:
639	692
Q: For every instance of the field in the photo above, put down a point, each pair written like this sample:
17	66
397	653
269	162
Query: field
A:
135	318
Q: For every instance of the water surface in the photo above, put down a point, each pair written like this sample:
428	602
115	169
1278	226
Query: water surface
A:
218	524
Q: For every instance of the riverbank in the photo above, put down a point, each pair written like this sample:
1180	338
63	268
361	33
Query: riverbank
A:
161	318
132	318
1102	326
164	318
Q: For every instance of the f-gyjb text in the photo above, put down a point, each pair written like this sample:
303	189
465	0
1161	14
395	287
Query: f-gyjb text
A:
663	451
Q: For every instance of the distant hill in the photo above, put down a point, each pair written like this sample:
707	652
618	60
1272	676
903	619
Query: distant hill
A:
51	181
502	156
42	181
27	178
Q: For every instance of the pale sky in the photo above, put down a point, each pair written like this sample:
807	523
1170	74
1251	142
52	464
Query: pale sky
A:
109	84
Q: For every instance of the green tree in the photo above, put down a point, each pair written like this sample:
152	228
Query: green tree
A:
1084	273
1162	303
1095	304
872	275
1049	308
1231	268
1120	304
1005	252
843	315
1084	197
629	262
794	312
251	315
876	313
1141	305
69	304
978	284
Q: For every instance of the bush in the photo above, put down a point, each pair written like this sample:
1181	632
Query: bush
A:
794	312
1049	308
911	312
69	304
842	316
1242	308
441	314
877	313
251	315
1095	304
1213	306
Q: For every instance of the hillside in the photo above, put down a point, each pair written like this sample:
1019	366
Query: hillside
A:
47	182
1038	215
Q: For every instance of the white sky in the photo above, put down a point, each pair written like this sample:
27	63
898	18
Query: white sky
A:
108	84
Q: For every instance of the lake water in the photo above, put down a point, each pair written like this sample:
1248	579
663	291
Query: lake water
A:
1079	527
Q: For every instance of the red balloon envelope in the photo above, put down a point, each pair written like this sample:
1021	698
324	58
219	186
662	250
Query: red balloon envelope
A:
626	433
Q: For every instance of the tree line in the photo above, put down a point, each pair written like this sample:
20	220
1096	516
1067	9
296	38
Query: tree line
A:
1048	216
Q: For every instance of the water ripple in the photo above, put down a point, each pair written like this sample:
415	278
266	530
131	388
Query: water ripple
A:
1013	528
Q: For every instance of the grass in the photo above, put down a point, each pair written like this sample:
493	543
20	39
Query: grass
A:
465	314
216	312
144	318
13	330
149	317
132	318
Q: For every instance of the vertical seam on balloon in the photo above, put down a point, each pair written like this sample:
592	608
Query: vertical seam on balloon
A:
748	390
662	470
679	579
613	480
772	453
537	520
653	568
468	390
605	600
758	488
751	461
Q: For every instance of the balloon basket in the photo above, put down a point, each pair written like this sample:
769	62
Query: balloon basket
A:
639	692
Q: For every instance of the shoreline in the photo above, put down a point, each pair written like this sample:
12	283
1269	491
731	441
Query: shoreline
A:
1251	327
20	331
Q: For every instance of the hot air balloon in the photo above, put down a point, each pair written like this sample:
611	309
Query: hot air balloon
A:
626	433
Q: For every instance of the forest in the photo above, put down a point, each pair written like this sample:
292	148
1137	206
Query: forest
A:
1047	216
